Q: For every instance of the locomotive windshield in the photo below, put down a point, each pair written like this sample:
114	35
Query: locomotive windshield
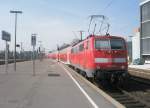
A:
114	44
117	44
102	44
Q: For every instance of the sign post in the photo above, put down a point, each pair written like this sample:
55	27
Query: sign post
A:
6	37
6	58
33	43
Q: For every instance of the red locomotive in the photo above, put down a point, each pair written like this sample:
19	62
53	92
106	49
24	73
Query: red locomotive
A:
100	57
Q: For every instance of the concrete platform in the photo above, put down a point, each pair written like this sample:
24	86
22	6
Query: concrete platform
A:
141	71
144	67
52	87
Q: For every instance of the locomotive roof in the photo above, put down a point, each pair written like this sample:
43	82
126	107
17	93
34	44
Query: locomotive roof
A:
106	37
93	36
99	37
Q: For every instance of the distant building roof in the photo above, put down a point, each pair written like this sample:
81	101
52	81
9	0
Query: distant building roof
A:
136	30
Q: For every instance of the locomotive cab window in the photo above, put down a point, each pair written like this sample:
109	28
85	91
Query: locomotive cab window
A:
117	44
113	44
81	47
87	45
102	44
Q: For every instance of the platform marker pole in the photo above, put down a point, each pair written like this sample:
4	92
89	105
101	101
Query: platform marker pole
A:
33	43
33	61
6	58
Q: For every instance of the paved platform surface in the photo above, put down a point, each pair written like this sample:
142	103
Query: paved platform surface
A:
145	66
22	90
140	71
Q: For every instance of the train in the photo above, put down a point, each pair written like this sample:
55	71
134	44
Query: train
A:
97	57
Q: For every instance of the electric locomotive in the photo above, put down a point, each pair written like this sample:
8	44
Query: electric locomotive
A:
101	57
97	57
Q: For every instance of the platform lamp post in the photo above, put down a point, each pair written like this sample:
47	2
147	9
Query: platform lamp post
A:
16	13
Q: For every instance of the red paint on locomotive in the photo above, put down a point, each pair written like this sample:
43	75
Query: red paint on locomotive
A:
96	55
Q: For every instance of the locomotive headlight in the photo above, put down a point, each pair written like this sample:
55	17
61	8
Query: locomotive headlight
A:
122	67
98	67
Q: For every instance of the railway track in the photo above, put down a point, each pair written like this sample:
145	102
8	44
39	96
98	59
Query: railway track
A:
135	95
141	73
140	91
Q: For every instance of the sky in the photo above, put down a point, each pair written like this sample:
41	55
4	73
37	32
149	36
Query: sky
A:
58	21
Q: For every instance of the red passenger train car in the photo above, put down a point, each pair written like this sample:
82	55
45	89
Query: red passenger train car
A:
64	55
100	57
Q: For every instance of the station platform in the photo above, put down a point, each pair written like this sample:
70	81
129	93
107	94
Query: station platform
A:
141	71
144	67
52	87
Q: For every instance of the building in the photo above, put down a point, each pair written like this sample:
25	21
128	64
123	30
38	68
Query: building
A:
136	45
129	48
145	29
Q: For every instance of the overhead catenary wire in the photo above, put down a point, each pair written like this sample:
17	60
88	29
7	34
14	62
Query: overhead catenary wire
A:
102	22
75	34
105	8
108	5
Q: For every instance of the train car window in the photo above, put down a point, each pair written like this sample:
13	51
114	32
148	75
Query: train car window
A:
117	44
77	49
102	44
87	44
81	47
72	50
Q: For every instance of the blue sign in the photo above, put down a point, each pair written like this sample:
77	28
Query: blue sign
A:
6	36
33	40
